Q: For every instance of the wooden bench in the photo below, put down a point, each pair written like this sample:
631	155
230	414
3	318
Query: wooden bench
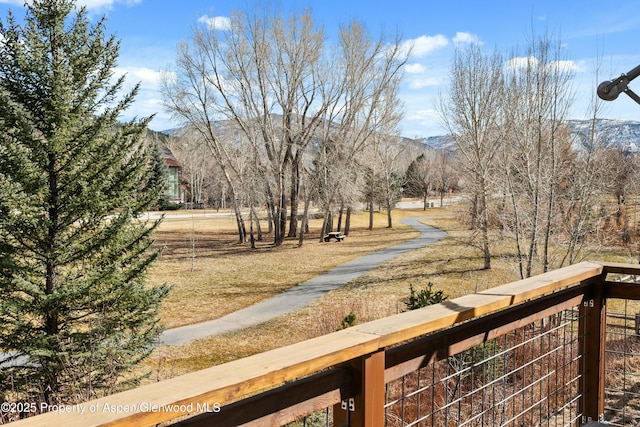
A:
334	235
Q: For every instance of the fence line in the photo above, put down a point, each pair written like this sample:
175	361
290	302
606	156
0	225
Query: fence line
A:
524	352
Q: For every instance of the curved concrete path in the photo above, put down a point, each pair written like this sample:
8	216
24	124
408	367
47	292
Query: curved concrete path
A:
301	295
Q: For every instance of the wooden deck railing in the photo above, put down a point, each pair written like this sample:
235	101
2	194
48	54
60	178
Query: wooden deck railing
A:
347	370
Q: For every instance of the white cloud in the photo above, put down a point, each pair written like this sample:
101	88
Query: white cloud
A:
423	122
148	78
521	62
425	114
105	4
414	68
463	38
424	82
530	61
216	22
425	44
567	65
147	101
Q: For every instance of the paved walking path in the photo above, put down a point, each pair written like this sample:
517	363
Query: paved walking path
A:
301	295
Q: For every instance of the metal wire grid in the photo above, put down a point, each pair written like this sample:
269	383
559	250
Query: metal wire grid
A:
622	364
527	377
316	419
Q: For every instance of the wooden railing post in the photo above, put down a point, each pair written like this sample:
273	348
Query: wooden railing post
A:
366	408
593	327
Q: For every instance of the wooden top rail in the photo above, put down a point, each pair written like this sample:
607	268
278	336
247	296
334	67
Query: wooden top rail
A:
217	386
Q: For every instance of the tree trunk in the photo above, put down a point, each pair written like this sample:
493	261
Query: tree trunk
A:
251	236
254	220
340	213
536	205
371	215
271	208
269	217
305	222
516	220
242	231
51	386
474	212
293	198
484	226
550	208
259	227
347	222
326	225
281	225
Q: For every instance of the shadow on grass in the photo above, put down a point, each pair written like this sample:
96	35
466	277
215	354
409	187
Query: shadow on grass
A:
448	266
178	244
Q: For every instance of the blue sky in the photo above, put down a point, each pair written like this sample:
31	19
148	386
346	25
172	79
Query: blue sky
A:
591	32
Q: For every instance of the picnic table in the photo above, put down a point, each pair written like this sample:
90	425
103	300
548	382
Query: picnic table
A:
334	235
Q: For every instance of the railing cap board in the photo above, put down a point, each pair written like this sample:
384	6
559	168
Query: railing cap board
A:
622	268
219	384
409	325
551	281
224	383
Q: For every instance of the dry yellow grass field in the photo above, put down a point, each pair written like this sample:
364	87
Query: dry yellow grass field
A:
227	276
213	275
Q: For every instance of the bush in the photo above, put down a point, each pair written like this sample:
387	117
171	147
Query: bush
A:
424	297
348	321
166	205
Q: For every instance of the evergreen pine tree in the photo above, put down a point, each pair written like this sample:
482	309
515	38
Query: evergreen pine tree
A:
75	313
417	179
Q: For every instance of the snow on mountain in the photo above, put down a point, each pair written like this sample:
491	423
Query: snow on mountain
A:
624	134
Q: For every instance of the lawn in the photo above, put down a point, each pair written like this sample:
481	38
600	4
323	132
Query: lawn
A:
224	276
212	275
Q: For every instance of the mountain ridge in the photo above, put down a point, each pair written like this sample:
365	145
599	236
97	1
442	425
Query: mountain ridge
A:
623	134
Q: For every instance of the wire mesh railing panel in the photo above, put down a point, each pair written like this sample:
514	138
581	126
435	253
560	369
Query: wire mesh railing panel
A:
622	364
526	377
317	419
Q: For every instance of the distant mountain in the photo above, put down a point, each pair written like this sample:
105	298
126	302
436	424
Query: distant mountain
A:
624	134
439	142
172	131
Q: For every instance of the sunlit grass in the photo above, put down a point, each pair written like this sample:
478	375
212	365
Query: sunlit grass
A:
450	264
228	276
213	275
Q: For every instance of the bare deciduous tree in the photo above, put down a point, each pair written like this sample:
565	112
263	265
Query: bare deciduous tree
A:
389	160
190	96
275	82
472	113
261	75
537	99
444	174
364	105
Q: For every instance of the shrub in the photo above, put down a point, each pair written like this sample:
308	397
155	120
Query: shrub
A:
348	321
424	297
